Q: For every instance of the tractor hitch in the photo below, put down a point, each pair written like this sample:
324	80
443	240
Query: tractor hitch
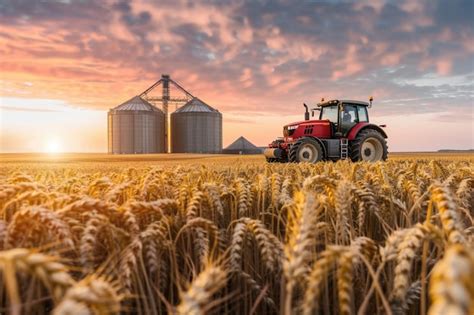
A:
273	153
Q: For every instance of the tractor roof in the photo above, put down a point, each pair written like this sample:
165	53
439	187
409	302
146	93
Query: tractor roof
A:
333	102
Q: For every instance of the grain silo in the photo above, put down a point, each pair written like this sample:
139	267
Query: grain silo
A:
136	126
196	128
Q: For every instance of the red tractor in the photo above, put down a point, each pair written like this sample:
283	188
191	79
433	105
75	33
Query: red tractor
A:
342	131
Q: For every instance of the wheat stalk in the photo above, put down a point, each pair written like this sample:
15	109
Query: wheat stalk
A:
318	273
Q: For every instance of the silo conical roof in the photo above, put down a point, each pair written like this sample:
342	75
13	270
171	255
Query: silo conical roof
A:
136	103
242	144
196	106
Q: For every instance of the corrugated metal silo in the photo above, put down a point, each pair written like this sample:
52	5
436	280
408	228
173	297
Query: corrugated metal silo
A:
196	128
136	126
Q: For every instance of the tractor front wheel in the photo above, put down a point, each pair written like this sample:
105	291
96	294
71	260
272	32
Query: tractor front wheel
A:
306	150
369	146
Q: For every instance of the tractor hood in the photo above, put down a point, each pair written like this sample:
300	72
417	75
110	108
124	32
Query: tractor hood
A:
305	122
306	127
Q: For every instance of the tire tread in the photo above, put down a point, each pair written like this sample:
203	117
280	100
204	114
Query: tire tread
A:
292	158
361	136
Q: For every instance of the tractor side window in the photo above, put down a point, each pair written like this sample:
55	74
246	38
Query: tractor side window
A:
362	114
330	113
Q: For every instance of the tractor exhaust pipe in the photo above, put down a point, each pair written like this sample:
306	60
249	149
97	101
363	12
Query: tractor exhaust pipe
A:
306	113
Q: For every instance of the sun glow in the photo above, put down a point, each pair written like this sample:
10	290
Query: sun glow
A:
53	145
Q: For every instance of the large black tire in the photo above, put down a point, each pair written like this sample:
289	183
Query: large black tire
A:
306	150
370	146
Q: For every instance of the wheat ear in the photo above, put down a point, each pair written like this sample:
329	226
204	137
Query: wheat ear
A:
48	269
441	196
407	251
92	295
451	285
48	220
200	291
301	237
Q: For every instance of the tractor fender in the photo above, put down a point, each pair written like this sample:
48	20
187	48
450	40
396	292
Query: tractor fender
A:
362	126
321	143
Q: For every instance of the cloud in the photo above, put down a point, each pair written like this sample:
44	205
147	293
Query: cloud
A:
253	56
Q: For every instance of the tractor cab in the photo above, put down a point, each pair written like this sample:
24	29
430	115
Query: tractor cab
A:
343	115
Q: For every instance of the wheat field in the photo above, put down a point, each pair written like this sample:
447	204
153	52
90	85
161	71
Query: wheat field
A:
178	234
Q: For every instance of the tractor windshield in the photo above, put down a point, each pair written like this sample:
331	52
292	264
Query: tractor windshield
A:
330	113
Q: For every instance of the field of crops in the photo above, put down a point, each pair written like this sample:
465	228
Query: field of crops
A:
234	235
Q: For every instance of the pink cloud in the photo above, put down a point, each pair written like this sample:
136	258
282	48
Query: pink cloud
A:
443	67
349	65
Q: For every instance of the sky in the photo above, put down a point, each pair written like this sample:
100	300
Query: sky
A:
64	63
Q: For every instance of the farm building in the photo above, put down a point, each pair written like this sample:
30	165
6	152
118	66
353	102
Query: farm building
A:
242	146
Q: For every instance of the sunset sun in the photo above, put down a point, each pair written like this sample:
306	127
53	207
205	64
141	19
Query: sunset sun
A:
53	145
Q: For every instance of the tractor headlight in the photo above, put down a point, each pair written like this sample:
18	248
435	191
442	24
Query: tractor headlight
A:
289	130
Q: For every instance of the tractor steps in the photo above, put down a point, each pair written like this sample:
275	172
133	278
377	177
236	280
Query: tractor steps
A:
344	148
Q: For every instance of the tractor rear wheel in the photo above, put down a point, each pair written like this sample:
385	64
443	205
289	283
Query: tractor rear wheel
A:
306	150
369	146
